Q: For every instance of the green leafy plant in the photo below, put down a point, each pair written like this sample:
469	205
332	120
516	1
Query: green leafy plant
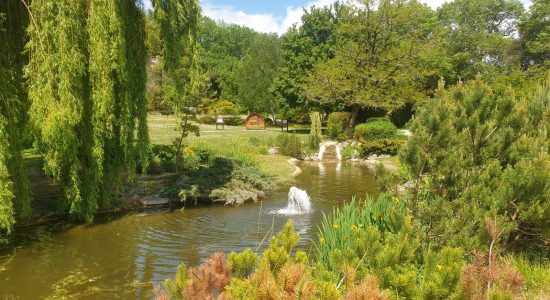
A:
375	129
289	145
338	123
381	147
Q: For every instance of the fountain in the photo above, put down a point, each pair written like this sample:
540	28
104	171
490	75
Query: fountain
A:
298	203
330	151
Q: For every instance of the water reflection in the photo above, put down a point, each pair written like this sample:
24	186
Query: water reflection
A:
123	256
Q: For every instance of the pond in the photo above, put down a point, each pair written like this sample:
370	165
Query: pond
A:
124	256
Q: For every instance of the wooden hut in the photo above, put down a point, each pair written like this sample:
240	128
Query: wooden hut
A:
255	121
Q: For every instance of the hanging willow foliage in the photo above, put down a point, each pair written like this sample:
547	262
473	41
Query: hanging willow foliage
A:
87	86
14	192
118	76
178	21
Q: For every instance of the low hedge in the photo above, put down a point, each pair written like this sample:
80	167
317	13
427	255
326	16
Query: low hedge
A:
207	120
233	121
381	147
375	129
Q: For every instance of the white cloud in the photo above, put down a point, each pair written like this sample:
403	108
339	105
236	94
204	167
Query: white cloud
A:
270	23
267	23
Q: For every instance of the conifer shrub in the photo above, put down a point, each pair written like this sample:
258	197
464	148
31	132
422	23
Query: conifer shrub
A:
231	181
475	153
379	238
375	129
338	123
381	147
315	134
202	282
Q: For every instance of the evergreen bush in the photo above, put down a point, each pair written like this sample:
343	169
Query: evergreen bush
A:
375	129
381	147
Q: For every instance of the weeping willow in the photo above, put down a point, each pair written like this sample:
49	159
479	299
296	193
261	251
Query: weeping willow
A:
118	76
87	87
14	188
178	20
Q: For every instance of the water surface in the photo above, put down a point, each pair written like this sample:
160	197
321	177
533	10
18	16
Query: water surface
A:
123	256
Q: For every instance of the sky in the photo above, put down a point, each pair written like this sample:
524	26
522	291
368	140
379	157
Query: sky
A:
271	15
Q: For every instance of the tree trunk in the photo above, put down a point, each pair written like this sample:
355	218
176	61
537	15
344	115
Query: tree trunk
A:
274	116
182	136
354	113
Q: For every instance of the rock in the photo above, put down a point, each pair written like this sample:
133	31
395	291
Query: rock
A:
154	201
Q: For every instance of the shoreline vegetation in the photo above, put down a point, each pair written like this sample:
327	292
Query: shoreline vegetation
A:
107	106
162	187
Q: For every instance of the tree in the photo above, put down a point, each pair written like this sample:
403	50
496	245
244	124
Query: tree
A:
256	74
479	35
15	196
534	29
155	65
223	47
179	21
377	60
87	87
303	47
499	166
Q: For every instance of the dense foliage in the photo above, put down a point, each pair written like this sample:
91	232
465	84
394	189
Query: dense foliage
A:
499	166
375	129
338	125
87	88
14	186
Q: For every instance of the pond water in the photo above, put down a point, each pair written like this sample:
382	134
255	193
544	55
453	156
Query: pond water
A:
124	256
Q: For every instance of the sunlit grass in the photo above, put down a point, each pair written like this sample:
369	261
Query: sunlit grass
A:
232	141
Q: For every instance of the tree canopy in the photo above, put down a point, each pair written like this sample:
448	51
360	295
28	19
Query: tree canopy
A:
87	90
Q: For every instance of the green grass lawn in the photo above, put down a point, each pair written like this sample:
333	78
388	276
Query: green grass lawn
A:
233	141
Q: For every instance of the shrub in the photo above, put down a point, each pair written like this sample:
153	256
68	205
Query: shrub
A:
375	129
201	282
289	145
225	180
381	147
204	152
379	238
315	133
338	122
338	230
161	159
207	120
315	118
314	142
351	152
233	121
263	150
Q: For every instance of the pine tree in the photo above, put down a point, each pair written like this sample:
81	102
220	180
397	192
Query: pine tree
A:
476	153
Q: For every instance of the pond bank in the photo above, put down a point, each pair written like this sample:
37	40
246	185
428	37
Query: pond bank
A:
130	252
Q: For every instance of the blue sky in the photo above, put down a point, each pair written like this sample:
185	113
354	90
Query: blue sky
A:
271	15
